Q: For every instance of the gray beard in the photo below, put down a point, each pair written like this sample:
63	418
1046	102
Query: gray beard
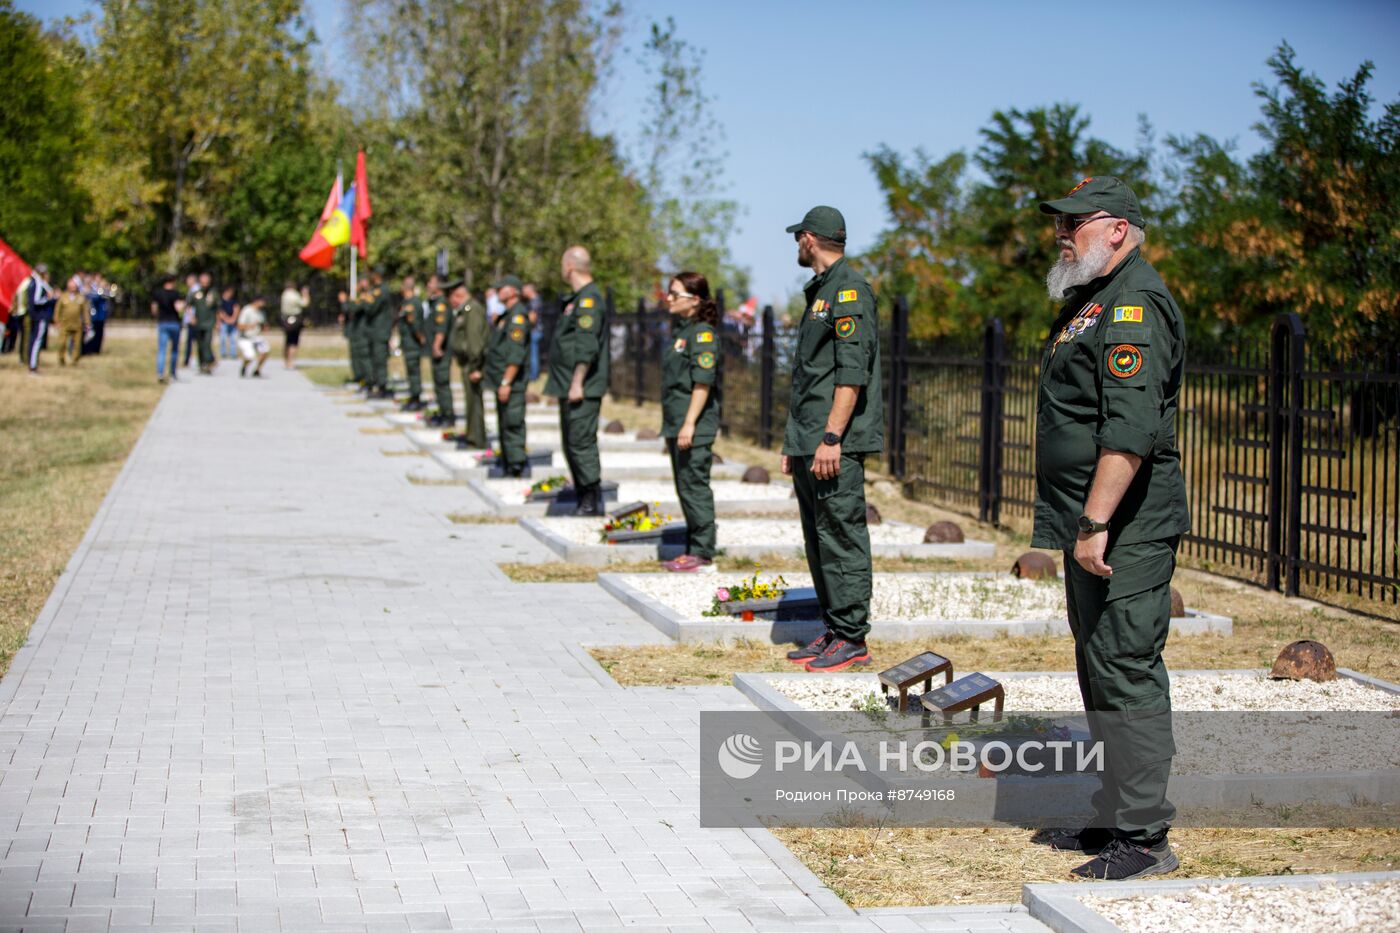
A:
1066	274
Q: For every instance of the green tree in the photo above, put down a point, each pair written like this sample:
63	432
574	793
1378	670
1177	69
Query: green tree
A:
44	211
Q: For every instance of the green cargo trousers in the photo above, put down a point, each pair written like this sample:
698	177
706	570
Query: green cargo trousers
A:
412	362
1119	625
378	330
442	385
475	405
691	469
578	428
837	542
510	428
359	350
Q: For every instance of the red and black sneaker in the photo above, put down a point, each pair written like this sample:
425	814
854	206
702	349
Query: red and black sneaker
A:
839	655
813	649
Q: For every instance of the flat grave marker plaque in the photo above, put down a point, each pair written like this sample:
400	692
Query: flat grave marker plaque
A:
797	603
966	693
650	536
631	508
609	490
921	667
542	458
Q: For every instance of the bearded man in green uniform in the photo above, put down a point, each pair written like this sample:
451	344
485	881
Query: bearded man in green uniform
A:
438	327
835	417
470	333
506	356
1110	495
578	376
379	322
409	321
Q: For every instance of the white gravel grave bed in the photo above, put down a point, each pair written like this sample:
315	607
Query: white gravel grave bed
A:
1245	908
741	532
1190	693
936	596
513	491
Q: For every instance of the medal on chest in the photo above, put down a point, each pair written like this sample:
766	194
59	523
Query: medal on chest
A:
820	308
1087	317
679	345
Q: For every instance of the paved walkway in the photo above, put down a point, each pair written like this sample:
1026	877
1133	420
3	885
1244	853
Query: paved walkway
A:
277	690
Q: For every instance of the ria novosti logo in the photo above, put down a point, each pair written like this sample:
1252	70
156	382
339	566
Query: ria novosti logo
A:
740	756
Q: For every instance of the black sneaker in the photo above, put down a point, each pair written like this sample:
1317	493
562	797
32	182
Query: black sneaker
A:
1089	840
839	655
813	649
1121	861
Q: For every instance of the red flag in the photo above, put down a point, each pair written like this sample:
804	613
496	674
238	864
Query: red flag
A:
13	270
317	252
359	235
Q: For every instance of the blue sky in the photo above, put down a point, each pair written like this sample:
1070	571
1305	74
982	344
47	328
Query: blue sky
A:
804	89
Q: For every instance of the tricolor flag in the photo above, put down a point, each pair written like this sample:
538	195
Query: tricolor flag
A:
333	229
359	234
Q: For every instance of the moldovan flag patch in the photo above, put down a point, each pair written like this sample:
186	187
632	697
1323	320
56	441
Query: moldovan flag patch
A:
1127	314
845	296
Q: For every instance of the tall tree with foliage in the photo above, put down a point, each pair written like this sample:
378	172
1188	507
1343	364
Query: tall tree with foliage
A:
682	154
44	209
484	109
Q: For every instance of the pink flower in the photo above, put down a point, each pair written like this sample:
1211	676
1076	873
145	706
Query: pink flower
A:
722	595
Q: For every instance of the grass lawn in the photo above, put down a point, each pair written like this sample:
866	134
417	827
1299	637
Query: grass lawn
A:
67	433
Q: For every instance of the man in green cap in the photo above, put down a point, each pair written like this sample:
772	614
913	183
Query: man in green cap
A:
506	357
437	326
411	339
470	333
578	375
835	418
379	322
1110	495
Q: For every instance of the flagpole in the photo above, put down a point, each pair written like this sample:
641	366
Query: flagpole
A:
353	252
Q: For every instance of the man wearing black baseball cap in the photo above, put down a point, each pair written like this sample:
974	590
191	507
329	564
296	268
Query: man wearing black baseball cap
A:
1110	495
835	418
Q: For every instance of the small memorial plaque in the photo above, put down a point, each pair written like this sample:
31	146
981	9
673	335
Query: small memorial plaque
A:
631	508
566	491
966	693
541	458
921	667
800	599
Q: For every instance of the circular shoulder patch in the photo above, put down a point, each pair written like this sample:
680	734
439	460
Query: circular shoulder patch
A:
1125	360
585	321
517	334
705	360
845	326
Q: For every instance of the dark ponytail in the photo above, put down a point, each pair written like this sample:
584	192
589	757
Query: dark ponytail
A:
695	284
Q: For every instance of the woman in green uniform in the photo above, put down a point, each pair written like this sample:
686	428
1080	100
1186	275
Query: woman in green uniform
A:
690	413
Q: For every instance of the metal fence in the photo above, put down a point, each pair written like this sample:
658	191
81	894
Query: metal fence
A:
1291	451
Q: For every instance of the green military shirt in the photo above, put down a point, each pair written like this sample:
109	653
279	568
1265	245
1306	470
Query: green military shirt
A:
206	305
580	337
509	345
1110	376
410	319
379	312
471	331
838	343
691	358
437	319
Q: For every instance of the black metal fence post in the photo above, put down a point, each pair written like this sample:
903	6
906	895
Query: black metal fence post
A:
768	359
898	394
1286	403
991	429
639	349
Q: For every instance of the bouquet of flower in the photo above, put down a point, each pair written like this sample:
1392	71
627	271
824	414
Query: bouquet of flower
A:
749	588
553	484
648	520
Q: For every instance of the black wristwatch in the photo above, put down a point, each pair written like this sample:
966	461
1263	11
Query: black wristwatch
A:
831	440
1091	527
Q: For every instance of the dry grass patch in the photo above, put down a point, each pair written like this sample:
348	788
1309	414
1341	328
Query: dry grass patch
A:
880	867
550	572
379	431
403	453
478	518
582	573
431	481
67	434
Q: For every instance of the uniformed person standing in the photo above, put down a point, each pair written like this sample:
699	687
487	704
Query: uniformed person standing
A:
355	317
507	355
1110	495
578	376
437	326
205	299
690	414
408	319
470	334
835	418
379	320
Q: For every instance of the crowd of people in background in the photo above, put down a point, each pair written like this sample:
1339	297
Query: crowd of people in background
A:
201	311
74	314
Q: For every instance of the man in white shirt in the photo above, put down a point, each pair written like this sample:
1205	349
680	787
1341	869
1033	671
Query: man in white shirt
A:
252	346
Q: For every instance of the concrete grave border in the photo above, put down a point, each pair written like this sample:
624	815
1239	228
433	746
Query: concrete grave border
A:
660	471
674	625
723	508
1061	906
